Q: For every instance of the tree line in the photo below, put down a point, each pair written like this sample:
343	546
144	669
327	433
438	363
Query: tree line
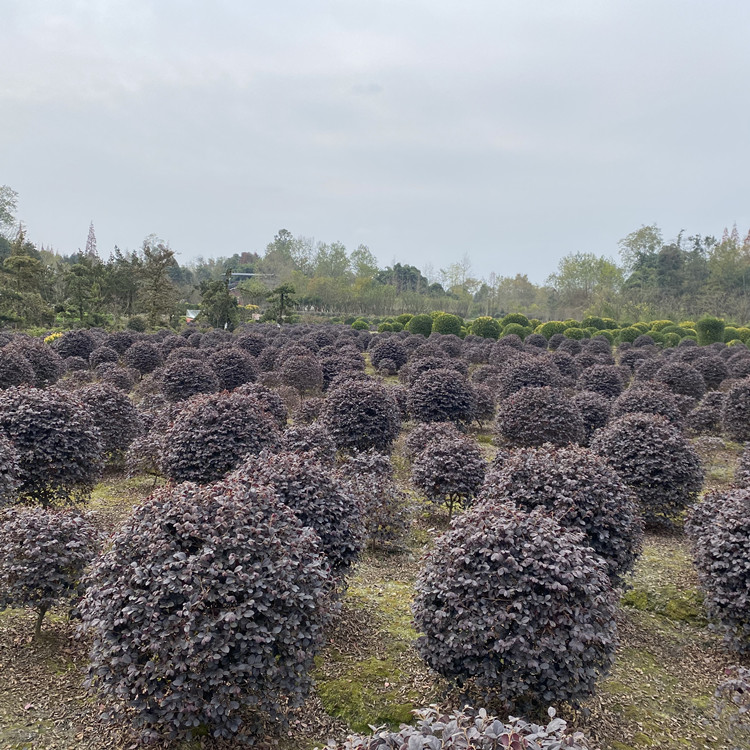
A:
653	278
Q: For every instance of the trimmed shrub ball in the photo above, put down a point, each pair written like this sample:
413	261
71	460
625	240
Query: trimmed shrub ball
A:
317	498
713	370
79	366
15	369
720	531
739	366
656	461
388	347
648	398
216	338
339	364
78	343
644	340
182	379
43	553
411	371
566	364
486	375
632	358
312	439
254	343
102	354
361	414
583	492
571	346
536	339
513	607
269	399
387	368
400	394
603	379
736	412
449	471
682	379
58	444
742	472
594	410
387	515
122	378
186	352
442	396
207	611
114	415
121	341
303	373
143	356
44	360
10	472
734	690
706	418
485	406
647	369
170	343
308	410
213	434
426	432
484	326
526	373
534	416
145	454
233	367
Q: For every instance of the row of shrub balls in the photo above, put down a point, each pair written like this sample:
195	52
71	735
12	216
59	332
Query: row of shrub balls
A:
707	330
228	576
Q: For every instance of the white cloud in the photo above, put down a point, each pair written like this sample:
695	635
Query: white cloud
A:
538	127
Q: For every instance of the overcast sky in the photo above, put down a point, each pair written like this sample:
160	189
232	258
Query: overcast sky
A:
516	132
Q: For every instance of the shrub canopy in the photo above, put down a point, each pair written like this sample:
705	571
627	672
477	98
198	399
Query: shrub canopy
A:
582	491
59	447
213	434
208	605
720	531
43	553
512	606
655	459
361	414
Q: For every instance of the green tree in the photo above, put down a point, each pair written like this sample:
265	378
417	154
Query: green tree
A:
279	257
584	280
8	203
281	300
157	292
24	279
253	291
729	264
332	260
640	247
363	263
83	286
121	282
218	305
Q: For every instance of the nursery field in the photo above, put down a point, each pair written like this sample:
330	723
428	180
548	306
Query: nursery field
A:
659	694
509	524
